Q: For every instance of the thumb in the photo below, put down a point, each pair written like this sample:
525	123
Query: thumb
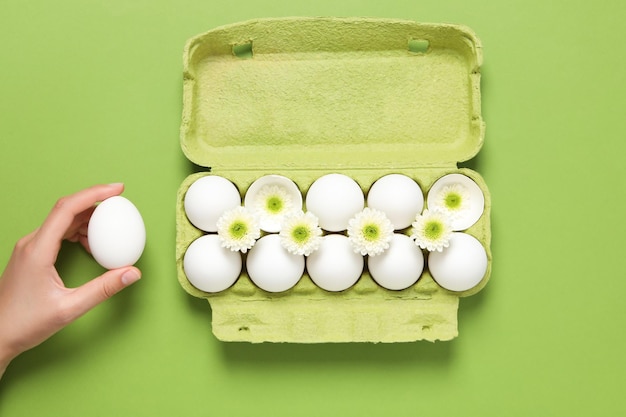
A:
101	288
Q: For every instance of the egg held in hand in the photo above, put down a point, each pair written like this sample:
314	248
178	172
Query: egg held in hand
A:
116	233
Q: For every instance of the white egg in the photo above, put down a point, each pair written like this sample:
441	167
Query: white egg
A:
398	267
116	233
460	266
207	199
210	267
273	223
271	267
335	266
399	197
476	199
334	199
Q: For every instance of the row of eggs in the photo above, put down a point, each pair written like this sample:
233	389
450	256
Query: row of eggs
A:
334	266
334	199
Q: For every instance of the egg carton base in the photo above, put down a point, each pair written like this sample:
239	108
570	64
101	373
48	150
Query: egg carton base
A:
302	320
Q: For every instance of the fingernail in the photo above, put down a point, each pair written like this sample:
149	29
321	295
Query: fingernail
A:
116	184
130	276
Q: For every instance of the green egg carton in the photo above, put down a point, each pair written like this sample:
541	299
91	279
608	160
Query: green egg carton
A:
304	97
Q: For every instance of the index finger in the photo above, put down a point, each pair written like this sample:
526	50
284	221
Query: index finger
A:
62	215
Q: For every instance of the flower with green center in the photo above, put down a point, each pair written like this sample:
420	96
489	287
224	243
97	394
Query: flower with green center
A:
432	230
453	198
370	232
300	233
272	203
238	229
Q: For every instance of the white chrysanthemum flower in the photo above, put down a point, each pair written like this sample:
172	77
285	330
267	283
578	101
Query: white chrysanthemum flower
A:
272	203
370	232
454	198
432	230
300	233
238	229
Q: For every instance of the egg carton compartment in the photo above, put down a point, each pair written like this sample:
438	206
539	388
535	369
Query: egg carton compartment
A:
306	97
364	312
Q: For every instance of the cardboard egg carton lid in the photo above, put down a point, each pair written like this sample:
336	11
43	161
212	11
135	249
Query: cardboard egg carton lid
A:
354	92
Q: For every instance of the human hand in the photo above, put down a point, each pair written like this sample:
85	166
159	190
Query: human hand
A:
34	302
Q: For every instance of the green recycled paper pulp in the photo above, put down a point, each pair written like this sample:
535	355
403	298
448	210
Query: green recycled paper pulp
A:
304	97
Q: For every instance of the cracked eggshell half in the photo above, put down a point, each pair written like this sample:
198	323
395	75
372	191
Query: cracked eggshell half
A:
476	199
273	223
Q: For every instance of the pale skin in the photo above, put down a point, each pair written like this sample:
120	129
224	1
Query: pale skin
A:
34	302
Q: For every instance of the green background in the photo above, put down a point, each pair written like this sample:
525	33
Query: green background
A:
91	92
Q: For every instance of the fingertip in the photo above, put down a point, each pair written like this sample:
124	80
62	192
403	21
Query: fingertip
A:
131	276
117	185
